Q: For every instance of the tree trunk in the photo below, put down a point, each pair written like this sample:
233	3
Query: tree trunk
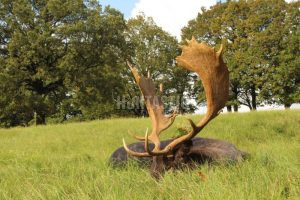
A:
180	103
235	96
287	105
40	118
229	108
253	98
235	108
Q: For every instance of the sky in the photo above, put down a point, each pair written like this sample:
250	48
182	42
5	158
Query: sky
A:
125	6
171	15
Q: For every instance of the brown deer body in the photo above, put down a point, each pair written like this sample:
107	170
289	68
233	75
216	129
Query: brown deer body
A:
192	153
186	149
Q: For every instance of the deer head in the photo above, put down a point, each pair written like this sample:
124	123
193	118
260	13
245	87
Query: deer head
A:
213	72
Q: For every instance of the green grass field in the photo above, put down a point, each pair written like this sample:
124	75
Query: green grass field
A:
70	161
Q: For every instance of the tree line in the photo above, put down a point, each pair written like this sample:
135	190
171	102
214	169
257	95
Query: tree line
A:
262	49
63	60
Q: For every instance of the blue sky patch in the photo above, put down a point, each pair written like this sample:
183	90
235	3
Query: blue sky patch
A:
125	6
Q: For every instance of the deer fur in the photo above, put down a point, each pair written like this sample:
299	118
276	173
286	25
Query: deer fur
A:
189	154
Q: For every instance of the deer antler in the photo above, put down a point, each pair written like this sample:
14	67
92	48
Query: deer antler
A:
213	72
155	109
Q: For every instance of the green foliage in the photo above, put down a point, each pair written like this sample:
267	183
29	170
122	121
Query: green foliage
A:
262	48
71	161
57	58
154	51
284	84
95	63
66	59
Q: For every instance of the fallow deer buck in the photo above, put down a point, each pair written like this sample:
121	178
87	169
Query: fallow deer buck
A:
185	150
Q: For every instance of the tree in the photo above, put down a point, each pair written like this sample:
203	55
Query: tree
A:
53	56
95	62
32	52
255	39
214	26
154	51
284	76
264	28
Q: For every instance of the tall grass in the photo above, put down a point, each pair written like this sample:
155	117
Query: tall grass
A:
70	161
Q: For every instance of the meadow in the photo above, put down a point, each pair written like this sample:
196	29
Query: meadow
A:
70	161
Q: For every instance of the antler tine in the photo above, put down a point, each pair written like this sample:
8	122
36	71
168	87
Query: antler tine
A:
133	153
161	89
149	152
213	72
136	136
129	65
221	50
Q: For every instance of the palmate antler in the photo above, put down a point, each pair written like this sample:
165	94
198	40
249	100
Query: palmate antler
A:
213	72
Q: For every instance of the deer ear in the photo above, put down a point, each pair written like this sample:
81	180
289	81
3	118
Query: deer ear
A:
221	50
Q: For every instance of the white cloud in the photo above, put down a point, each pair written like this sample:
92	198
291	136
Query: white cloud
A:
171	15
